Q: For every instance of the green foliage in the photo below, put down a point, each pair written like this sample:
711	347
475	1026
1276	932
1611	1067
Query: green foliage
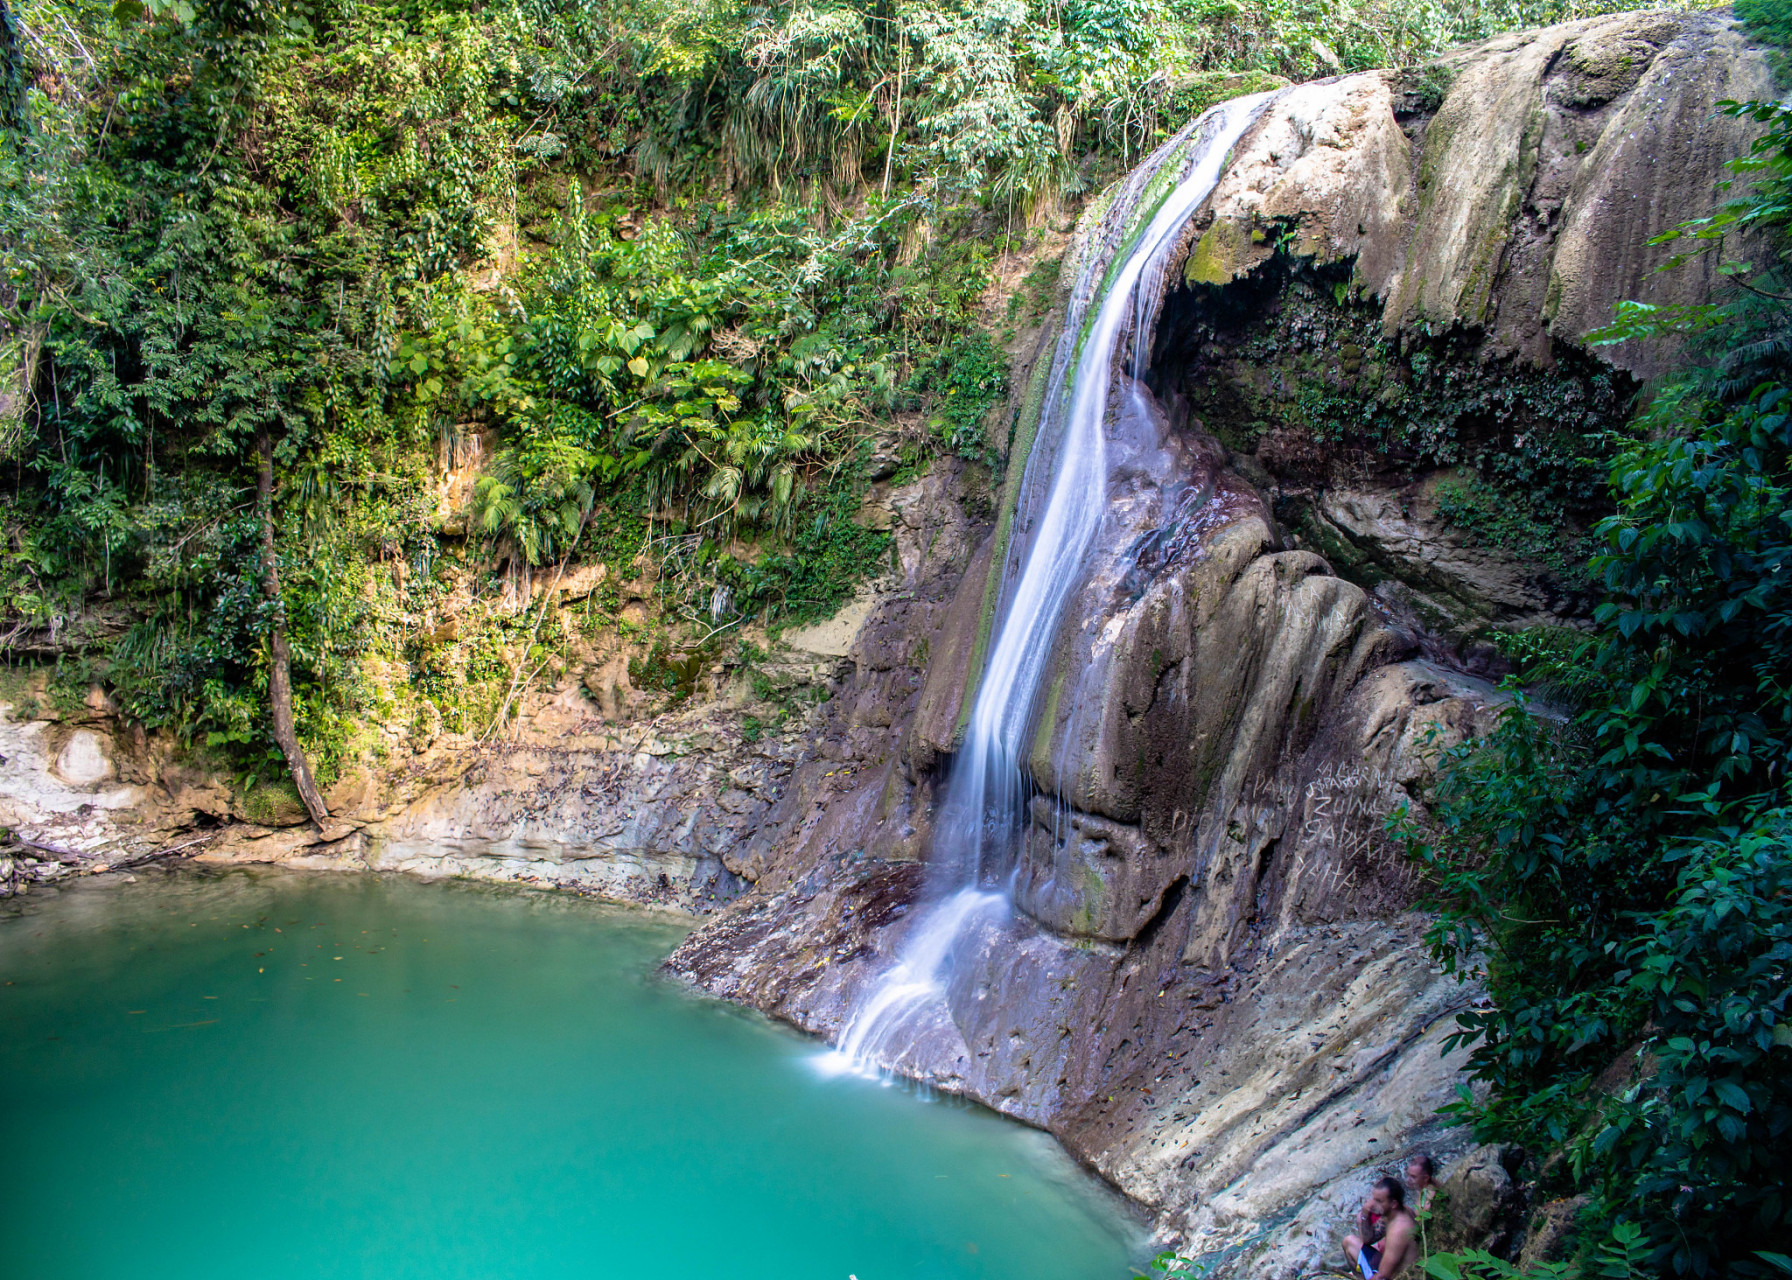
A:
1169	1266
1195	93
1492	518
1033	301
829	556
958	388
666	672
1623	1257
273	803
1623	883
534	500
1771	21
1422	89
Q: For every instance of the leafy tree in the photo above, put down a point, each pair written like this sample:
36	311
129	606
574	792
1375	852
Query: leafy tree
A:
1623	883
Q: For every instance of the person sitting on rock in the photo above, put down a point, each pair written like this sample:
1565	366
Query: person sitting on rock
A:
1421	1181
1369	1225
1386	1215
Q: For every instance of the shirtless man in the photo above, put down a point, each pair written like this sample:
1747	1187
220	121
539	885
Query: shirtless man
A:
1385	1208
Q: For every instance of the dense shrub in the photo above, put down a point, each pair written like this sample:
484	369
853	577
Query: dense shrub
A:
1622	882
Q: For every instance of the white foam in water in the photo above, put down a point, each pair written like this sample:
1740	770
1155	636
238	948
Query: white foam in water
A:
917	978
986	790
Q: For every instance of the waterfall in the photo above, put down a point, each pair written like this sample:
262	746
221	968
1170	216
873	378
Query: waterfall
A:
986	795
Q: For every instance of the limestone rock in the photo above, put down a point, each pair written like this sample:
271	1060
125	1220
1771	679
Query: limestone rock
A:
609	685
938	726
85	759
1551	1233
1329	158
1657	161
579	582
1477	1200
61	785
833	637
1524	207
1085	876
1450	583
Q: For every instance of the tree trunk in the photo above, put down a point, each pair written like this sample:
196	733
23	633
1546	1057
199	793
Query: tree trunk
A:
280	681
896	112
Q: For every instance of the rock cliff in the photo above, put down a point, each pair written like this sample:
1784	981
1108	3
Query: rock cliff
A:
1511	187
1211	984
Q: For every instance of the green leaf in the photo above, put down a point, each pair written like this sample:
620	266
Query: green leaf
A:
1732	1095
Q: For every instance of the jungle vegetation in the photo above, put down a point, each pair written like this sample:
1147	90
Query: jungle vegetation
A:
1616	859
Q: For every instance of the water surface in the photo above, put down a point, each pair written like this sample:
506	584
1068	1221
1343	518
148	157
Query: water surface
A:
275	1074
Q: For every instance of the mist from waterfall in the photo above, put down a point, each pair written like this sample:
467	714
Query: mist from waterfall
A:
981	818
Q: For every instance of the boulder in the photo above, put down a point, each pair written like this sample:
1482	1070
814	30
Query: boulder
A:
1477	1202
1430	575
85	759
1552	1232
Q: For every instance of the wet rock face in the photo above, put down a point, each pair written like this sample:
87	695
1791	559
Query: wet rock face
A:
1084	876
1209	976
1202	671
1211	982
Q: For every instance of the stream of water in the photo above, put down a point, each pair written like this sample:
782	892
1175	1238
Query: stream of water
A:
986	794
281	1075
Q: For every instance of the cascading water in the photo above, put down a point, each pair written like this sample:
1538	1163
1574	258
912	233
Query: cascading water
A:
986	795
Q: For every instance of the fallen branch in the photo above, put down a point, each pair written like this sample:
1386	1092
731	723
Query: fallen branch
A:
61	854
75	855
165	852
